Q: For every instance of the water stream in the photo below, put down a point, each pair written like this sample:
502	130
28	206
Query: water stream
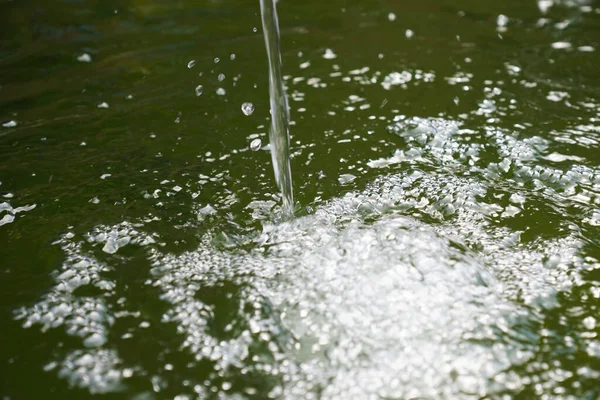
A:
279	132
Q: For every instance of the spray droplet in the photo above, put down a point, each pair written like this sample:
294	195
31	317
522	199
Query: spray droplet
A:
255	145
199	90
10	124
329	54
247	108
191	64
84	58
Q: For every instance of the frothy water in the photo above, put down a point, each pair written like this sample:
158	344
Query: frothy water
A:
359	299
279	133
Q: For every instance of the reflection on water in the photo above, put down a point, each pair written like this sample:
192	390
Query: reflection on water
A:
358	298
448	247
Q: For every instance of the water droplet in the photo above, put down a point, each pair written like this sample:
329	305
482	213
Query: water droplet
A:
255	29
409	33
501	21
392	16
84	58
217	59
255	145
221	77
232	56
346	178
544	5
247	108
589	322
585	48
221	91
329	54
103	105
94	340
561	45
191	64
199	90
10	124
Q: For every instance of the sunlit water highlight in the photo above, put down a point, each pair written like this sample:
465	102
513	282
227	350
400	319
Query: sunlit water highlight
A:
358	299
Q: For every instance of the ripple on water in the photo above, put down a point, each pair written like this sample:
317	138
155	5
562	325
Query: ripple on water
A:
358	299
427	283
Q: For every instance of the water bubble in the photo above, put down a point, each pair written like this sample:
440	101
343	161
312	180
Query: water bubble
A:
502	21
544	5
232	56
84	58
221	77
221	91
247	108
191	64
585	48
216	60
346	178
255	145
561	45
589	322
255	29
10	124
94	340
199	90
329	54
557	96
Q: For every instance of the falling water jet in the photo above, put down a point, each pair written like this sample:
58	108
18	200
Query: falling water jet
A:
279	132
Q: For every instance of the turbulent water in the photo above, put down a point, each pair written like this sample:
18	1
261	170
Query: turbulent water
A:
361	298
447	248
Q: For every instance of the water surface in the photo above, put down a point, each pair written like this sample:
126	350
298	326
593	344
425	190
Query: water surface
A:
445	158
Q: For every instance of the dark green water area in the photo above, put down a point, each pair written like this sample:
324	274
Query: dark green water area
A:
446	169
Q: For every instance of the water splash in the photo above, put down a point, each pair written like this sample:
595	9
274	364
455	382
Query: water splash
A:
279	132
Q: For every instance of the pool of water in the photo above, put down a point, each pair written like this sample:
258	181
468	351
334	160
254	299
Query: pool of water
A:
446	168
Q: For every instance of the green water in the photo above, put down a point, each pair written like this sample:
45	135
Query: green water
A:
445	159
